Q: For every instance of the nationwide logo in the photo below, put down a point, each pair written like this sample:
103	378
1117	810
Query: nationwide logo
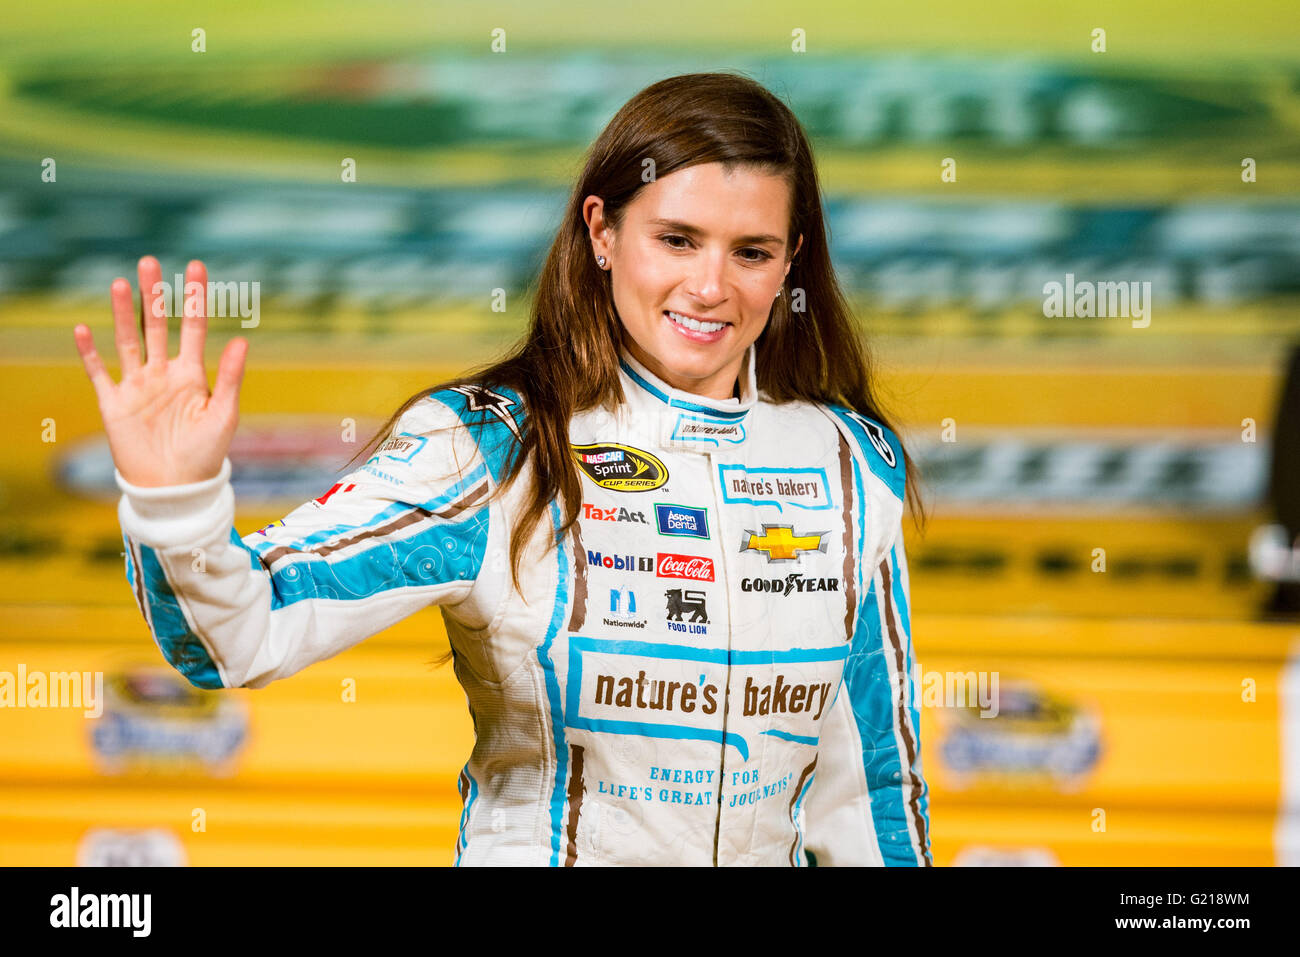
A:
789	584
782	544
682	520
622	609
687	602
630	563
620	468
806	488
685	566
612	514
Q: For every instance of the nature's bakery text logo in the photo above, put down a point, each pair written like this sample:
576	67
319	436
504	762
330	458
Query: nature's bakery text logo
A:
657	690
624	691
649	694
620	468
806	488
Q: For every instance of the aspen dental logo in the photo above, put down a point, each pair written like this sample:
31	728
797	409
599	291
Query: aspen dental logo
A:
620	468
694	429
655	690
797	488
682	520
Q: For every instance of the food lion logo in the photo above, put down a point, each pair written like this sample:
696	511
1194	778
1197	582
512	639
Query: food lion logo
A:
620	468
782	544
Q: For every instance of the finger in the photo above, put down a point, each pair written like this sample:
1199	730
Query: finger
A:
194	324
230	373
125	333
153	305
99	377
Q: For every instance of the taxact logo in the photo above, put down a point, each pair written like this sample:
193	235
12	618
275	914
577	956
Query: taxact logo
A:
612	514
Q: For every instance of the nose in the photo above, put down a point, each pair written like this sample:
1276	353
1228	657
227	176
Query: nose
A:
706	281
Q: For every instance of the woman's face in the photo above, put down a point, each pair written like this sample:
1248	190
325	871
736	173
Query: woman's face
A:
695	265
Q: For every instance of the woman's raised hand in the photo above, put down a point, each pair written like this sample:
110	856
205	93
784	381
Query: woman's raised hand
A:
164	427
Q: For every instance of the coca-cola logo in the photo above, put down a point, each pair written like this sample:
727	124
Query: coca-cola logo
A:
685	566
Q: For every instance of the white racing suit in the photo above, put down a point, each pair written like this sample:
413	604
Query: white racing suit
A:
713	668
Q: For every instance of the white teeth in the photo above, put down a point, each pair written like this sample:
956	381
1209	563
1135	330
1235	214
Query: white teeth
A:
695	324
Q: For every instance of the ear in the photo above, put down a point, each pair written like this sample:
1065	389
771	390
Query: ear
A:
602	236
797	246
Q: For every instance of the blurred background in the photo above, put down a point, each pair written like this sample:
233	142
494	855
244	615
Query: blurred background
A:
385	173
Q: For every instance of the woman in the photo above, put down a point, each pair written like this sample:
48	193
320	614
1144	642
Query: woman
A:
665	532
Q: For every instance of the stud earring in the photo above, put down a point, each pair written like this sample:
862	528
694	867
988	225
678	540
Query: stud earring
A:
600	261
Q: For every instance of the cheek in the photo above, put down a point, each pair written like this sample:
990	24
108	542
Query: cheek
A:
656	276
650	287
759	294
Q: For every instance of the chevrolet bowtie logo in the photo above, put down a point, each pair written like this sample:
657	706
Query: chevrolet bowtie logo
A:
782	544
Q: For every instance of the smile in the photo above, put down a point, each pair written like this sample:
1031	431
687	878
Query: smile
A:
693	324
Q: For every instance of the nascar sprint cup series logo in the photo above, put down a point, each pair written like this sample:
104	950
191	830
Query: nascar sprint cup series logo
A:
620	468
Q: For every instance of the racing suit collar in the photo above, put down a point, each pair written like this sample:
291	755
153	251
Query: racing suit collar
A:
637	378
683	420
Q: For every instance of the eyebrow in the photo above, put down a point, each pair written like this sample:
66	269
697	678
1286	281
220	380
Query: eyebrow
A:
695	231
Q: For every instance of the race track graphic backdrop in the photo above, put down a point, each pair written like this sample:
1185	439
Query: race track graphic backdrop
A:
1076	254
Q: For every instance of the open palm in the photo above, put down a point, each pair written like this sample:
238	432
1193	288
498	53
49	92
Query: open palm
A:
164	427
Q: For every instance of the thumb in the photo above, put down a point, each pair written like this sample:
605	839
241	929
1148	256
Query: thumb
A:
230	373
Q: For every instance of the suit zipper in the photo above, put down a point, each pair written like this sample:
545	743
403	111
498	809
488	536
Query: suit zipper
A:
726	697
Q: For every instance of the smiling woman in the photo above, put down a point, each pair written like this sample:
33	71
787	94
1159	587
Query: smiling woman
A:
690	381
695	266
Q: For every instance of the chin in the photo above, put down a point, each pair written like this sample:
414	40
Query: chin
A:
690	366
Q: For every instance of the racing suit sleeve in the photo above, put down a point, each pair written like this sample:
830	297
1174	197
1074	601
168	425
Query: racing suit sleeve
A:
405	530
868	803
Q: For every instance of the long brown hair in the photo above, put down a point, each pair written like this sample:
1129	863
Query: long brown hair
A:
568	361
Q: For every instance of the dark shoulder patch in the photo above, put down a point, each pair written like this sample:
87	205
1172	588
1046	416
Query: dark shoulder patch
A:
493	415
880	447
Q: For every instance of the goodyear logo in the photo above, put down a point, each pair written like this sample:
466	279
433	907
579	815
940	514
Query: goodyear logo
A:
620	468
